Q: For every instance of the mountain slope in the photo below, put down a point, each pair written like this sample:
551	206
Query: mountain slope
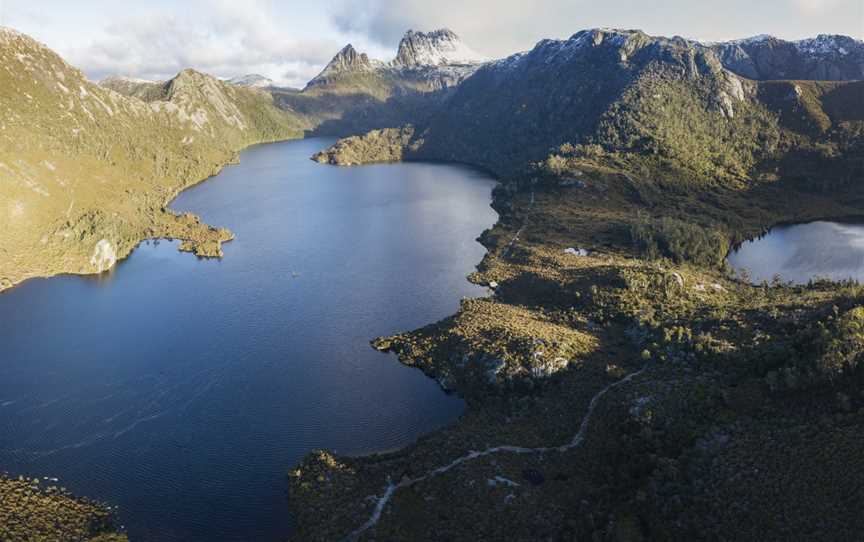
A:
87	171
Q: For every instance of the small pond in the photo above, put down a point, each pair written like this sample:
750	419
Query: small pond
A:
801	252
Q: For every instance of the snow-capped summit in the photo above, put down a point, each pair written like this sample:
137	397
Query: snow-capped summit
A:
436	48
251	80
431	60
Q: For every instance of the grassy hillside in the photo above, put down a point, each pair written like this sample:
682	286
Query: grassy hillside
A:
86	172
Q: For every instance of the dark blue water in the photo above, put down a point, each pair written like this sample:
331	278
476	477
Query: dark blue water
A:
183	390
801	252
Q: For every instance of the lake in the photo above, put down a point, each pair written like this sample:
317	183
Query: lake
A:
184	390
800	252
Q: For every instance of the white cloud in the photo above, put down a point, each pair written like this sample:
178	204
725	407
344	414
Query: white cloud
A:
226	40
811	7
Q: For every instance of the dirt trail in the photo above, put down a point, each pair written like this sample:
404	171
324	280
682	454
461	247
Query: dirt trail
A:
575	442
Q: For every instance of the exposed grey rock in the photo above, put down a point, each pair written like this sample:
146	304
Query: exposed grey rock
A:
825	57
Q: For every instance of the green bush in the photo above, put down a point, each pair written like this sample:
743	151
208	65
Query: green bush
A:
843	344
679	241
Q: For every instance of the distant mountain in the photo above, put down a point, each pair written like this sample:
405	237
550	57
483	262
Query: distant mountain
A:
355	93
425	61
251	80
347	62
823	58
87	171
131	86
441	47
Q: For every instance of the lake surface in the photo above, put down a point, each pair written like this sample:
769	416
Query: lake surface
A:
801	252
183	390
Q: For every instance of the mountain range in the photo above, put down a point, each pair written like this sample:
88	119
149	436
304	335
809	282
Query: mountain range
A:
673	102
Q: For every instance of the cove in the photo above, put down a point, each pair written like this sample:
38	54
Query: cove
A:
801	252
183	390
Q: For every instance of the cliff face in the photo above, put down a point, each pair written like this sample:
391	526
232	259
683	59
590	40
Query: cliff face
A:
86	171
823	58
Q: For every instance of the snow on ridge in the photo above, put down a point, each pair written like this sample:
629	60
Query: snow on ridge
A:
826	44
436	48
821	44
760	38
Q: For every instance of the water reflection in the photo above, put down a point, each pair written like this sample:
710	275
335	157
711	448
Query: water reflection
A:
802	252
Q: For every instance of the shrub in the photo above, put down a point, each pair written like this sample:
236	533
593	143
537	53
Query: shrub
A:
678	240
843	345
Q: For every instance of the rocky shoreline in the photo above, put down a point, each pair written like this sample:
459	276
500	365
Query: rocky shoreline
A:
34	509
670	372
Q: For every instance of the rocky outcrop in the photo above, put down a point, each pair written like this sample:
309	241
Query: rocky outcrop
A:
387	145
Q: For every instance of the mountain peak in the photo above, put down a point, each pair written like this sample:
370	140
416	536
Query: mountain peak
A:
434	48
347	60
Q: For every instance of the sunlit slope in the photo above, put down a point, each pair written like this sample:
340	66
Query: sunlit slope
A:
85	172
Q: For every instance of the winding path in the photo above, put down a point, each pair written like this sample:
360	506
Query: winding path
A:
575	442
512	242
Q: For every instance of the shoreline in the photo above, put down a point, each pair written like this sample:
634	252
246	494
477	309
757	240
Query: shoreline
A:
526	257
203	240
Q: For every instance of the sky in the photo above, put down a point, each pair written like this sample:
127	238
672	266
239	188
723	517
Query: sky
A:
290	41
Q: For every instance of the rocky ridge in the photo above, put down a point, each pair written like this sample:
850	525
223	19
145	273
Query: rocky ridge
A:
823	58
